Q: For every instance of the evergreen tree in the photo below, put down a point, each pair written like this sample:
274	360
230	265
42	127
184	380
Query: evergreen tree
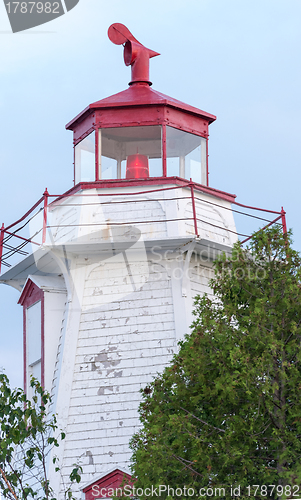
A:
227	411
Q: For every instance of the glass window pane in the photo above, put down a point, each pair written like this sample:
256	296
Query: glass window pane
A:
85	159
155	167
108	168
193	165
186	155
122	148
36	371
33	333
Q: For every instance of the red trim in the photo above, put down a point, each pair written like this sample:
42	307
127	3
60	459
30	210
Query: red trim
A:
177	122
45	215
1	244
30	295
140	107
256	208
74	164
152	181
27	213
80	115
164	153
84	135
134	97
21	238
207	161
24	351
261	229
149	117
194	210
43	340
111	481
96	155
142	117
283	220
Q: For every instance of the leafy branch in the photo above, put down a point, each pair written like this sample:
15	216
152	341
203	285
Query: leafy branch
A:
28	434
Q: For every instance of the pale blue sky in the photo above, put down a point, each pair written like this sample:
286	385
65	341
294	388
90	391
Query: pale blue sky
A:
238	59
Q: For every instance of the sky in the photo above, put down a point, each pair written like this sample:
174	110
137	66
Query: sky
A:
236	59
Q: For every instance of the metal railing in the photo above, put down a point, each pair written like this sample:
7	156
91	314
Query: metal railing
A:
8	235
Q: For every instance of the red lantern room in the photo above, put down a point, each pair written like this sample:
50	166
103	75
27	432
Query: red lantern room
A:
139	133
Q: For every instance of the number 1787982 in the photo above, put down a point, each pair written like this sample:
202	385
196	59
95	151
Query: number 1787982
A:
33	7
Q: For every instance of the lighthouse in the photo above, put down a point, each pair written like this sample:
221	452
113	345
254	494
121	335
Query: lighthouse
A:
108	290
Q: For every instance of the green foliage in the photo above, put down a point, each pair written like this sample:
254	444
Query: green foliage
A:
227	411
27	436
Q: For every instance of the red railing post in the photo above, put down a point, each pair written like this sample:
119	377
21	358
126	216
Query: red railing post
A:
283	219
1	244
193	208
46	194
164	152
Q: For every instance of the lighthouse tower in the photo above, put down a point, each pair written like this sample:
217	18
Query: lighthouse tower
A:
109	292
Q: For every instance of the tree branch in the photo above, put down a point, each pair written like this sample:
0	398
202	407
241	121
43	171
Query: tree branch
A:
8	484
186	465
202	421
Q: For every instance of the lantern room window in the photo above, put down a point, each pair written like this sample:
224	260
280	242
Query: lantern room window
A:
138	152
85	159
130	152
186	155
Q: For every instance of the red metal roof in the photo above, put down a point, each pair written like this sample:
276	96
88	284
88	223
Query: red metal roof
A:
140	95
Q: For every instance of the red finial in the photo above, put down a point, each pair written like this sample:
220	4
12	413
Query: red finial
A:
135	54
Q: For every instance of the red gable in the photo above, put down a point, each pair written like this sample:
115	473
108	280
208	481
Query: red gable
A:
106	486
